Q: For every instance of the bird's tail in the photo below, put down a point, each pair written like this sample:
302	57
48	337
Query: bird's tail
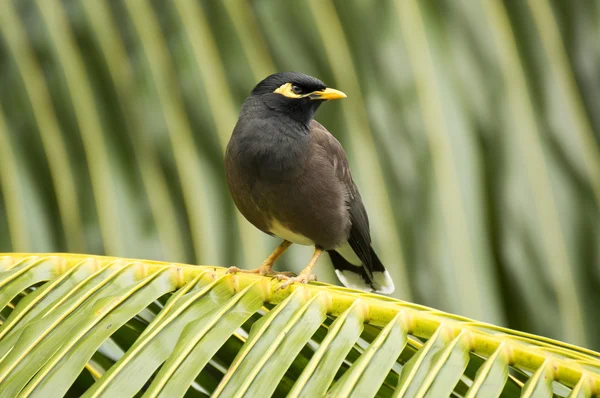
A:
358	276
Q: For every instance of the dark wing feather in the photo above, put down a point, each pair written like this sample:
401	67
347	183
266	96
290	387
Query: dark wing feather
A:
360	236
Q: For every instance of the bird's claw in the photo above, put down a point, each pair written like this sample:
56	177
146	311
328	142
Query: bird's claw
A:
263	271
234	270
302	278
282	276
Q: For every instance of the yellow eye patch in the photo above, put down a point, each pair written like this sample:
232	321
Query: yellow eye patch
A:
327	94
286	89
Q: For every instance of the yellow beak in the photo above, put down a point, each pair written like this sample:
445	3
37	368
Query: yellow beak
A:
327	94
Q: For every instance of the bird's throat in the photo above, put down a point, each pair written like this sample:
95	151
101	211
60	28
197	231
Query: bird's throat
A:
301	111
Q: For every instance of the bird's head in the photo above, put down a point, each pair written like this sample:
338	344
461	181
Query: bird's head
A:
294	94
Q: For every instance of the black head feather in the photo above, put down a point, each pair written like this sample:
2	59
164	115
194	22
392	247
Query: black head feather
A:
276	80
301	110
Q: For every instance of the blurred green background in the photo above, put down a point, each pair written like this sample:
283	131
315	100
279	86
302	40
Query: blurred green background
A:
471	128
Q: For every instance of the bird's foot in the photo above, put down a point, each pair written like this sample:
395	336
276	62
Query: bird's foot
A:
281	275
263	270
302	278
235	270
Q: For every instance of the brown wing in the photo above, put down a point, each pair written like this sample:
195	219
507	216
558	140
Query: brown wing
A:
360	237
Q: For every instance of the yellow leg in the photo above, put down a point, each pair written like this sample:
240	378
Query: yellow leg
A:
266	267
306	275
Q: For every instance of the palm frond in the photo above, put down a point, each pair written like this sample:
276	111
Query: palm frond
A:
471	128
103	326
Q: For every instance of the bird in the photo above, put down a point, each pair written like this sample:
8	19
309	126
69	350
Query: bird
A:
290	177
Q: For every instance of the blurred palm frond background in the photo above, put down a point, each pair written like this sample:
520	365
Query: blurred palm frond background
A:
471	128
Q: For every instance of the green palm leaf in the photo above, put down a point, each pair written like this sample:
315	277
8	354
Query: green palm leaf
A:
191	329
471	128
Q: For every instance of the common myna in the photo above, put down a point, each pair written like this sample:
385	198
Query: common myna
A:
290	178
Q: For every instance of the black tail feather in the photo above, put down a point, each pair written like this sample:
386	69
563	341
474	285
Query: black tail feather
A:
368	278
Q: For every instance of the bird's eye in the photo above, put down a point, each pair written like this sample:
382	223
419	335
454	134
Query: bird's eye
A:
296	89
